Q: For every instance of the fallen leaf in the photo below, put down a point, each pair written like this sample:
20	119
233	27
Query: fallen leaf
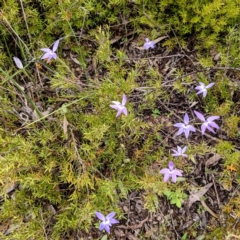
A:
197	195
214	159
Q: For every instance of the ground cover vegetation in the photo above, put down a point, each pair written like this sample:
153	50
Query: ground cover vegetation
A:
119	119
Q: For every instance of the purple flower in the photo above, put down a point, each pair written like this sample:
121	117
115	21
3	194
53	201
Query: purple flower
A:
120	107
209	123
106	221
170	172
148	44
203	88
18	62
49	54
185	127
180	152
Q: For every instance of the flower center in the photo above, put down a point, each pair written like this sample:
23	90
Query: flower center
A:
106	222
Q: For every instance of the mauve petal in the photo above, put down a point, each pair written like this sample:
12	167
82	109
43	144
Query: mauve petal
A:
107	228
199	115
166	177
174	178
111	215
18	62
171	165
180	131
180	125
146	46
114	221
214	125
191	128
203	128
164	171
186	119
210	129
124	99
175	151
198	88
116	102
47	50
124	110
201	91
177	172
54	55
210	85
55	45
210	119
202	84
184	155
152	45
186	132
102	226
100	216
179	150
119	112
115	106
204	93
176	154
46	55
184	149
147	40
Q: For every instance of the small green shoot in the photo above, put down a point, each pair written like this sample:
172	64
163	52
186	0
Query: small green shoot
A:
175	197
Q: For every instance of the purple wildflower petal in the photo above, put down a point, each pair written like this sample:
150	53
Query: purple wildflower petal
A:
191	128
111	215
177	172
210	85
180	131
100	216
46	50
119	112
175	153
171	165
186	132
166	177
18	62
184	149
45	55
174	178
204	93
214	125
55	45
180	125
124	99
199	115
102	226
114	107
186	119
54	55
203	128
125	111
113	221
164	171
107	228
210	119
210	129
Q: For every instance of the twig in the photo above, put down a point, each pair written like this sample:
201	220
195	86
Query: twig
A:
215	188
208	209
25	20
